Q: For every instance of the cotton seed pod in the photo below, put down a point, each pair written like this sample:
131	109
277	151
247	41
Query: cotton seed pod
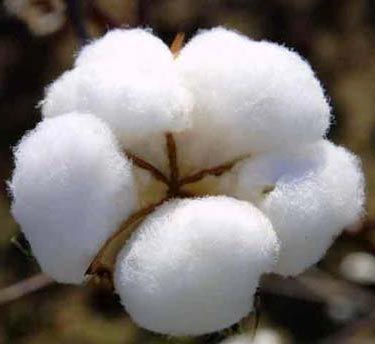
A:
193	266
71	189
129	79
249	97
309	194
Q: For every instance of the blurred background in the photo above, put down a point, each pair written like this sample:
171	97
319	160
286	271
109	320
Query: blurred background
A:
332	303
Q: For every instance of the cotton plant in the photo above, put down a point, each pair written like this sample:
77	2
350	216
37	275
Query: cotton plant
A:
183	174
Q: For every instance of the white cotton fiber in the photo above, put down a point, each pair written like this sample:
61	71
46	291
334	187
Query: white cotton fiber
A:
127	78
62	96
193	266
318	190
249	96
122	45
358	267
71	189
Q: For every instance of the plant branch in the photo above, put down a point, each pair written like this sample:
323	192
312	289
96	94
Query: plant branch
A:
24	288
214	171
173	165
177	43
139	162
96	266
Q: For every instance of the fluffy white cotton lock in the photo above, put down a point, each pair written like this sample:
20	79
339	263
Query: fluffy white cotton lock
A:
71	189
129	79
249	96
193	266
123	45
309	195
62	95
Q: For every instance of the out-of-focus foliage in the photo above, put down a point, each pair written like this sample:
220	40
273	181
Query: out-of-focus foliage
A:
336	36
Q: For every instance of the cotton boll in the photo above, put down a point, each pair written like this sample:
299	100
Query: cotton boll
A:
193	266
42	18
249	97
313	193
358	267
71	189
129	79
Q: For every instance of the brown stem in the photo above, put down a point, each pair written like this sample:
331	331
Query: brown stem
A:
24	287
137	161
177	44
96	266
173	166
214	171
185	194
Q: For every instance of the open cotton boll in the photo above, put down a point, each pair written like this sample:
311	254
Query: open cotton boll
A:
193	266
129	79
249	96
310	195
71	189
42	18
